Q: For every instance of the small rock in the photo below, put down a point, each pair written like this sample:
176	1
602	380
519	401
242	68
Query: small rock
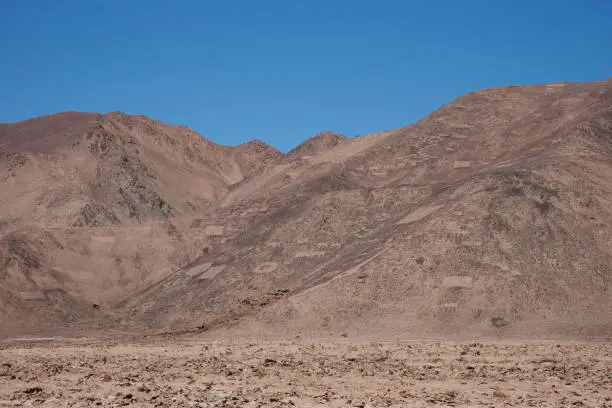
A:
32	390
144	388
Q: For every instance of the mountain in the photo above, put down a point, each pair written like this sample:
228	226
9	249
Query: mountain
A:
79	169
491	216
91	207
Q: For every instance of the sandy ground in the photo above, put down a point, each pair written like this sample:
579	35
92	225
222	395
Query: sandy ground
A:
203	373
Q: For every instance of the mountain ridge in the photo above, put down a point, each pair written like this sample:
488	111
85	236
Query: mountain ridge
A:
490	216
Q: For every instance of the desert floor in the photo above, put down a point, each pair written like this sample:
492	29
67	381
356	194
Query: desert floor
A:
299	373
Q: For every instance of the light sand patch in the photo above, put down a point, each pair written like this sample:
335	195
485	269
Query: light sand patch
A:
462	164
419	214
452	226
103	240
196	270
212	272
326	245
341	275
308	254
281	168
214	230
46	282
293	174
449	307
266	267
457	282
33	295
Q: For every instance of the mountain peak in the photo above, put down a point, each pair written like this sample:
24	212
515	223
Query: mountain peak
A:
45	133
317	144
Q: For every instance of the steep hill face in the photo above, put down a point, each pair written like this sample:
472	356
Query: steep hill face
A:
79	169
490	216
91	207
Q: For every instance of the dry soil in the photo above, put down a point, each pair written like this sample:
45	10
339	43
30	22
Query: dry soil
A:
300	373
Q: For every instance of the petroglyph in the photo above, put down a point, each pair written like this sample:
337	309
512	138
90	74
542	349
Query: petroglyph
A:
214	230
308	254
266	267
457	282
33	295
195	271
462	164
212	272
419	214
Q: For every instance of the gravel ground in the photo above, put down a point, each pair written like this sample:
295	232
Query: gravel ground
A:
306	374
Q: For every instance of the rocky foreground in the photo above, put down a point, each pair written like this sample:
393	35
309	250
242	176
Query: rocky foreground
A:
297	373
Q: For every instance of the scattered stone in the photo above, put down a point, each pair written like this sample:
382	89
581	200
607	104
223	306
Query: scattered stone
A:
144	388
32	390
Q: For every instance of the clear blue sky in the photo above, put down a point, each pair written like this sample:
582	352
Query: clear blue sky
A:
283	70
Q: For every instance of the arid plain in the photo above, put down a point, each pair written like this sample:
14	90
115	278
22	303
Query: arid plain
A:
302	373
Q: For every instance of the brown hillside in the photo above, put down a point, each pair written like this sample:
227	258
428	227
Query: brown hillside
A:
97	204
491	216
75	169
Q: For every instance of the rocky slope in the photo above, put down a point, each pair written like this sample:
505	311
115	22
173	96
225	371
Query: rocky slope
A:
88	170
490	216
92	208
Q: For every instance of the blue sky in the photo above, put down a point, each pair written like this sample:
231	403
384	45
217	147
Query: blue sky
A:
282	71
